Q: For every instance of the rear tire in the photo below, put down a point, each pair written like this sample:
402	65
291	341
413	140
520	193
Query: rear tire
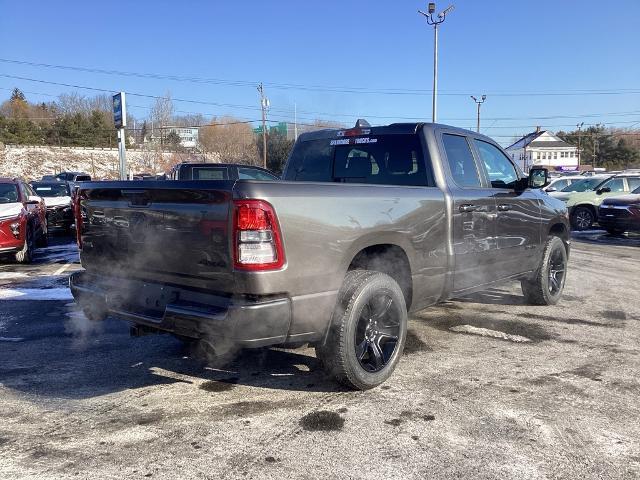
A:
615	231
368	331
94	314
43	239
582	218
547	284
26	254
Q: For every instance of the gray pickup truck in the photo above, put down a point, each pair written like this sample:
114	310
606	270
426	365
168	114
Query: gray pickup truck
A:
367	224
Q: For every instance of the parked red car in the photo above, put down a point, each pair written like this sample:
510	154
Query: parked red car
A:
23	221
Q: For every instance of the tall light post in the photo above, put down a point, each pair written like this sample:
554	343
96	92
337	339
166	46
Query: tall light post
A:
579	129
435	22
478	102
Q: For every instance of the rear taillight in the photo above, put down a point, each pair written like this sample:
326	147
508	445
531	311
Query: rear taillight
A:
257	238
77	215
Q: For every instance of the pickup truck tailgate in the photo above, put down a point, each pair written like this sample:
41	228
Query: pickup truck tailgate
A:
170	232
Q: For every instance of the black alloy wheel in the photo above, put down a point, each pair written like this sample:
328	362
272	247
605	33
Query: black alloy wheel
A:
556	271
377	333
582	218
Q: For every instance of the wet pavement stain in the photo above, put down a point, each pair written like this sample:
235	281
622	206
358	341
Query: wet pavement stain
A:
414	344
149	419
245	408
322	421
570	321
406	415
590	372
614	314
219	385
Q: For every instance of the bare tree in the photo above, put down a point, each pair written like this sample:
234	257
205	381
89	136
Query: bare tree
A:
230	139
162	112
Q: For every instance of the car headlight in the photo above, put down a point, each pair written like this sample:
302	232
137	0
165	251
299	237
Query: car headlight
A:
15	229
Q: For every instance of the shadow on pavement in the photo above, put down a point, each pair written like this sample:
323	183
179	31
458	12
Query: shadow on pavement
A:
49	361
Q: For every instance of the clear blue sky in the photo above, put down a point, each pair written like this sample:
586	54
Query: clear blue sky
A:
491	47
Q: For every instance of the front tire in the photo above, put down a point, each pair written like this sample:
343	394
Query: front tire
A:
368	331
26	254
547	284
582	218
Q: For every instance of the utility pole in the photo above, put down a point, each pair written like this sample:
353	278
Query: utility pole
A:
579	129
264	104
435	22
295	121
478	102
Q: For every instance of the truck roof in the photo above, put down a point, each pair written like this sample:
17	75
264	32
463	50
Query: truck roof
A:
406	128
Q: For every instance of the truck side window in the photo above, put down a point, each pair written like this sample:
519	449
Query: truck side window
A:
461	163
311	162
501	171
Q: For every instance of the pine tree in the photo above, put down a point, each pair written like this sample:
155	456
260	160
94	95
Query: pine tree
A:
17	94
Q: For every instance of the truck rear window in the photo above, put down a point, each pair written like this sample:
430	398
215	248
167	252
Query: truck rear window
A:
209	173
381	160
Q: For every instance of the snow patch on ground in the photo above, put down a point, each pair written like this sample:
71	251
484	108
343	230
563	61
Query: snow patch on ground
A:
12	275
485	332
35	294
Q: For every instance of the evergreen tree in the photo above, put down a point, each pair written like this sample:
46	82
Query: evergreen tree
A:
17	94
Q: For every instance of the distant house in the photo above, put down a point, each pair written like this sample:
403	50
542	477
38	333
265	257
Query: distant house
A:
543	148
188	135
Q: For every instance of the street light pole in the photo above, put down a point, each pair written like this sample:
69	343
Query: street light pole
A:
478	102
435	22
579	128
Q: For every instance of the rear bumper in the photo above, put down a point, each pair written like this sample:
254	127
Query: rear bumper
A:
248	322
59	217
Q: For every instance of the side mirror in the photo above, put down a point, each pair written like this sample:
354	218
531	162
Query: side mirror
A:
538	177
33	200
551	189
602	190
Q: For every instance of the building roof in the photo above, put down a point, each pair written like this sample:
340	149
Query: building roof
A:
551	144
526	140
532	140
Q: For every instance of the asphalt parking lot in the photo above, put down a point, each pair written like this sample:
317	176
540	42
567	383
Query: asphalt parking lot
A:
552	392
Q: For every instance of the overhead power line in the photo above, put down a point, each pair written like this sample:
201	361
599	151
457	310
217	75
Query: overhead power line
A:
325	88
285	117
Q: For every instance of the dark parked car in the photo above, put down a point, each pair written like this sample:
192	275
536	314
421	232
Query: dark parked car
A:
620	214
368	223
23	223
219	171
73	177
57	198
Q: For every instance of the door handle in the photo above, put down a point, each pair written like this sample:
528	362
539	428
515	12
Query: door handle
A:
505	207
467	208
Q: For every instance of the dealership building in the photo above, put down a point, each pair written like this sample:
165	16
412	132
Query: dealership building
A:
543	148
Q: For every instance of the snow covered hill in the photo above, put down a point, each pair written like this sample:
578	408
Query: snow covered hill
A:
32	162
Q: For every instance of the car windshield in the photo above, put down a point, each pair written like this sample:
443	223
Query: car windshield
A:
51	189
583	185
8	193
